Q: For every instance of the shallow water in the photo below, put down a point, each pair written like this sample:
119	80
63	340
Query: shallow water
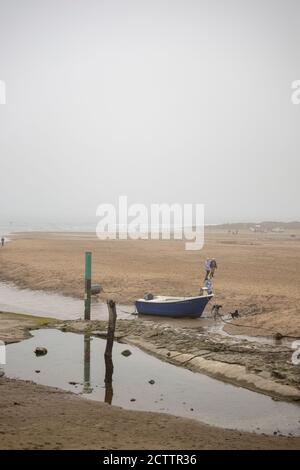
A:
40	303
218	328
77	358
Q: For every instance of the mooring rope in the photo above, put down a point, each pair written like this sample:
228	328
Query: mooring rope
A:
129	313
255	327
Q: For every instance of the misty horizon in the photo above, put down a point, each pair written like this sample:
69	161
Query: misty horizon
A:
164	101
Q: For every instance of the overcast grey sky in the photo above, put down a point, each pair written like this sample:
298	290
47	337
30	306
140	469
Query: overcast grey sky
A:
160	100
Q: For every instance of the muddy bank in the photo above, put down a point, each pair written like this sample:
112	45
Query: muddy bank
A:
256	366
15	327
39	417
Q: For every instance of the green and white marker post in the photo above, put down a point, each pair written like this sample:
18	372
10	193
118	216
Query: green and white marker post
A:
88	285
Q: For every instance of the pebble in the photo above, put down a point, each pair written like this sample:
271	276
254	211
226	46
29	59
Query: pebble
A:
40	351
126	353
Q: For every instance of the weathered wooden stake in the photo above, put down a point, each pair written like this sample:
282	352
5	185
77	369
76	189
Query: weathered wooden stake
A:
88	285
109	367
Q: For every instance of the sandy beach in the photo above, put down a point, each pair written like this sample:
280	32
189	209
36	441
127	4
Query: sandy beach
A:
62	421
252	277
258	273
158	126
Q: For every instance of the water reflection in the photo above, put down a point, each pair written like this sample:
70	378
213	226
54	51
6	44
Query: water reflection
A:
75	363
87	365
109	369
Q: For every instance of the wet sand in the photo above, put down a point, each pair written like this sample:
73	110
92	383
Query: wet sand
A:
258	274
38	417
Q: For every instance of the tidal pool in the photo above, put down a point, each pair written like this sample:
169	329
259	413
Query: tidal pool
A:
75	362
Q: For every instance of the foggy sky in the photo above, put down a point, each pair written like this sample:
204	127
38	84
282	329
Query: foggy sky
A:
163	101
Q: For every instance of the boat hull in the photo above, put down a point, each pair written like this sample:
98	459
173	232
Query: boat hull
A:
192	307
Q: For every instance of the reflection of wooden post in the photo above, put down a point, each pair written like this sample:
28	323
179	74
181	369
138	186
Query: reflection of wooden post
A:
112	317
109	367
88	285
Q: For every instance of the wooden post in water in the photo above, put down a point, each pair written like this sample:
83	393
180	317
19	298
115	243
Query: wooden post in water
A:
88	285
109	367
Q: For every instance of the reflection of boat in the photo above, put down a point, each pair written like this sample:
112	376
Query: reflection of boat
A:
173	306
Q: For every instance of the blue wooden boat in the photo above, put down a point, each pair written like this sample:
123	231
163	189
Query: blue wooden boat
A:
173	306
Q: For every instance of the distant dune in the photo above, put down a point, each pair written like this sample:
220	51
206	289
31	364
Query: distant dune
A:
264	225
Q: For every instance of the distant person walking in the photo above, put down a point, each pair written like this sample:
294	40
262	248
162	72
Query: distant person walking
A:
2	241
207	268
213	267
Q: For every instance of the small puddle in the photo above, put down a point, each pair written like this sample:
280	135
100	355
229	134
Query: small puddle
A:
51	305
75	362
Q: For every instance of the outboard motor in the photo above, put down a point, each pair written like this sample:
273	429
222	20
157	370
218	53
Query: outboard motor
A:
148	296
